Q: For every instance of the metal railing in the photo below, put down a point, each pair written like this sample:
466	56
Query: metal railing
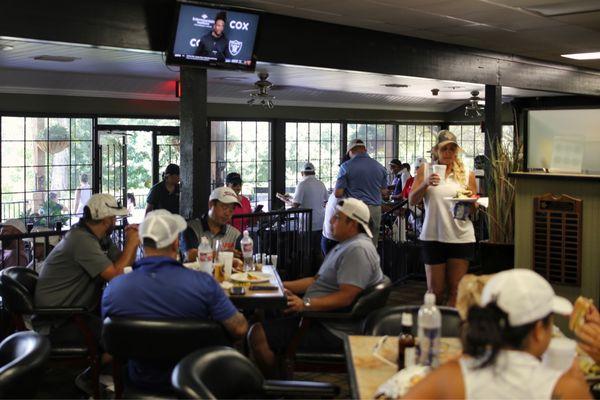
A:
26	242
285	233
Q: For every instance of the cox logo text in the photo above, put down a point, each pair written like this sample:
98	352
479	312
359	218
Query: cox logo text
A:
239	25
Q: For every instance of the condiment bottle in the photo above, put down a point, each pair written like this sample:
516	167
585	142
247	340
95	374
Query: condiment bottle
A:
405	340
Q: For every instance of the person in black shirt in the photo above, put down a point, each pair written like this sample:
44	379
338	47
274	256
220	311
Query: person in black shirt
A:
214	44
165	194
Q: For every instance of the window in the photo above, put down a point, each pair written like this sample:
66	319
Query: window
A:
379	139
315	142
44	161
472	140
416	141
244	147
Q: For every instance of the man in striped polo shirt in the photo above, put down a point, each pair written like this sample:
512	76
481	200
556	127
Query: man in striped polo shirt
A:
215	225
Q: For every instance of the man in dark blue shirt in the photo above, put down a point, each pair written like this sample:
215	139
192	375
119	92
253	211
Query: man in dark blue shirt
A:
215	44
165	194
160	287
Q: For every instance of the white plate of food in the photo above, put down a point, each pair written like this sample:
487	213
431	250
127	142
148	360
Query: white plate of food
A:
250	277
463	199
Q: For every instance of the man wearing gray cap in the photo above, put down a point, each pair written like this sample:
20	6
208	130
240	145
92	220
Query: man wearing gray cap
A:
161	287
76	268
365	179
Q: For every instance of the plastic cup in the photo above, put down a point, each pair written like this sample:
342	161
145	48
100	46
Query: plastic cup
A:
274	260
218	272
440	170
560	354
226	257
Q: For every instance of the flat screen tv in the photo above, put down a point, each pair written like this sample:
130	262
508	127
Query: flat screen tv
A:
213	37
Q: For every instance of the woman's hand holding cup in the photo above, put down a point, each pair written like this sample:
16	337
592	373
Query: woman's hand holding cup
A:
433	180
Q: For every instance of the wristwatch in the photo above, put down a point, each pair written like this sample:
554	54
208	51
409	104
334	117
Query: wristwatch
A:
307	302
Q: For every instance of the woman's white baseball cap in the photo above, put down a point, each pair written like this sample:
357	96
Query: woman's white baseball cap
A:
524	295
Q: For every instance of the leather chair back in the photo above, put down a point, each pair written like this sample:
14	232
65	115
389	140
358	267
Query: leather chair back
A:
17	288
22	359
388	321
372	298
159	340
217	373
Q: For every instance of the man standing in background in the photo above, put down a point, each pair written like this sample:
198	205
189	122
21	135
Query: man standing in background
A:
365	179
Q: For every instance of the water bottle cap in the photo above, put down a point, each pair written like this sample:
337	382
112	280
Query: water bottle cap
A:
407	319
430	299
203	240
246	233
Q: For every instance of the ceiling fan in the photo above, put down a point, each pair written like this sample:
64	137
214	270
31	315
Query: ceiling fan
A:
261	95
473	109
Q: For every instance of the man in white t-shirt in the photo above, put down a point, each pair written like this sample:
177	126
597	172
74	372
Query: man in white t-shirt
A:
312	193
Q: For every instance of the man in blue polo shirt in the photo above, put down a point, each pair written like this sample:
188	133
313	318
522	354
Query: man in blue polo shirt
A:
161	287
365	179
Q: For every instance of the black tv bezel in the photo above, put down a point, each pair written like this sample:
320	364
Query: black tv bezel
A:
173	61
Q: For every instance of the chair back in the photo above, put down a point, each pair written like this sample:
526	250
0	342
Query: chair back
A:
17	288
217	373
159	340
22	359
372	298
388	321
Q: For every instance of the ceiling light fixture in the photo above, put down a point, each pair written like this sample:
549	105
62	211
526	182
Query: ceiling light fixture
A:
6	47
55	58
473	109
583	56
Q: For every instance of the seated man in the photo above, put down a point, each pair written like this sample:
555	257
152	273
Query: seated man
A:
39	247
75	270
161	287
13	250
216	225
349	268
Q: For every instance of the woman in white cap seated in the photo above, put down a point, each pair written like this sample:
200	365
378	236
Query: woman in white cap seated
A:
503	344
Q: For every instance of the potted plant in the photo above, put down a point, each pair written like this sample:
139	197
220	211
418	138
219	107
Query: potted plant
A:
497	253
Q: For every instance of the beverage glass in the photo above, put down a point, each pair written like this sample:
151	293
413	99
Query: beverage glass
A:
440	170
274	260
218	272
226	257
560	354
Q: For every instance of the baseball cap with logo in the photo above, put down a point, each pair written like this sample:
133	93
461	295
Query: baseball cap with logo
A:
16	223
396	162
445	137
308	167
172	169
103	205
356	210
355	143
233	178
224	195
524	295
162	227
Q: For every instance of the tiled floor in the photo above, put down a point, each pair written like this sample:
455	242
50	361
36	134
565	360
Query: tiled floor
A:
58	380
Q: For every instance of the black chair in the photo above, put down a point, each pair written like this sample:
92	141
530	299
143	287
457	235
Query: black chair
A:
388	321
23	356
223	373
370	299
17	288
164	341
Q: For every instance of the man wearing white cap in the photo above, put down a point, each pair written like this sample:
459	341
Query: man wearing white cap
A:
161	287
216	225
504	340
349	268
365	179
76	268
39	247
13	251
311	193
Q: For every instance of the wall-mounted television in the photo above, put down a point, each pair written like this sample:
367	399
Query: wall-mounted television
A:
213	37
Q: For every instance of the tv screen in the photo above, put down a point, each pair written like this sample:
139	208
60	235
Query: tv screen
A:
213	37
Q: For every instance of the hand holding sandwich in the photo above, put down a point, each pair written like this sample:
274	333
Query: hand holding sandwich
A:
589	333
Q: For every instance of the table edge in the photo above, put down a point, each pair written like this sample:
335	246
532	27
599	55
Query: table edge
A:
350	368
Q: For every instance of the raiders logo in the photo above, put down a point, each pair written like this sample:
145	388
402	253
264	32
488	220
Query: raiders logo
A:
235	46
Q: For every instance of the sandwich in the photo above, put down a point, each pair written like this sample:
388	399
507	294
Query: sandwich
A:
580	309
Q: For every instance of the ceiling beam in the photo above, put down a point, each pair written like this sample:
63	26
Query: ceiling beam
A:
146	25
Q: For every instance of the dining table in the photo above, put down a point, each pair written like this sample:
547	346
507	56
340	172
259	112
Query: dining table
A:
366	369
274	298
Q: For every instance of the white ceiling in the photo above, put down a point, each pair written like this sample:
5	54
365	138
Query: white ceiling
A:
542	29
121	73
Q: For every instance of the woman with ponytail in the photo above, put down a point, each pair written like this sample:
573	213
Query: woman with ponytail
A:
503	342
447	243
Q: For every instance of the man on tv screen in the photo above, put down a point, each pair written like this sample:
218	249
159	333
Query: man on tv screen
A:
214	44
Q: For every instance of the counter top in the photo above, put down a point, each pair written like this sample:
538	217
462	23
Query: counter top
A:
554	176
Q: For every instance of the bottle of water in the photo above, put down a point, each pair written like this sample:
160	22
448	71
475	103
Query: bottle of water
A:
429	332
205	256
247	251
